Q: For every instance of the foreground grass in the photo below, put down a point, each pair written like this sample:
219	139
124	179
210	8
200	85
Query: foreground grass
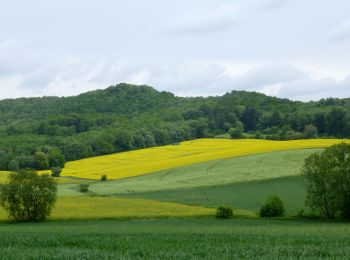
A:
175	239
140	162
90	207
218	172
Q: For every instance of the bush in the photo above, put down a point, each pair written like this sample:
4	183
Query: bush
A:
56	171
104	177
273	207
224	212
84	187
236	132
28	196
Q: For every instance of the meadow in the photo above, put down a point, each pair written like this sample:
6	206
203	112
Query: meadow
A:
144	161
242	195
175	239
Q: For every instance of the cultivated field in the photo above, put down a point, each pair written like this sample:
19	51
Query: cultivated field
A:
212	173
175	239
140	162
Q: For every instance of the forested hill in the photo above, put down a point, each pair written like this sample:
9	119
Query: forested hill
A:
45	132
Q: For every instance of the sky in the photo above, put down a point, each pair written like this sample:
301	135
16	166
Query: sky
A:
293	49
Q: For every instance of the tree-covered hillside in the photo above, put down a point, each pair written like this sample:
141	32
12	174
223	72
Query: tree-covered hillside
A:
42	133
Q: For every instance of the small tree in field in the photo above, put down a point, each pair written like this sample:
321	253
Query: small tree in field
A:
56	171
273	207
328	176
224	212
28	196
84	187
104	177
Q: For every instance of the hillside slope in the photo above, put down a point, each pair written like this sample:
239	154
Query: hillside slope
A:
42	133
150	160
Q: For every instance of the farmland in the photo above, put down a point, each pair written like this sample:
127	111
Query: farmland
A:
144	161
212	173
167	211
175	239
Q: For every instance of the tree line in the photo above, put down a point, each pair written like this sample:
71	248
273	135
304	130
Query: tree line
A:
42	133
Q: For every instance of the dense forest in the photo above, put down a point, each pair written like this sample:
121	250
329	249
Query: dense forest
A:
42	133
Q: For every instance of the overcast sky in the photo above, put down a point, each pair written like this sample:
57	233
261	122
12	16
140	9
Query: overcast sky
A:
287	48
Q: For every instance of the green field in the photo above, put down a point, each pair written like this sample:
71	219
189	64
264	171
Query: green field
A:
246	195
218	172
175	239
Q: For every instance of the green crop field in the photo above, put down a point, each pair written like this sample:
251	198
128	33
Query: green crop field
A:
218	172
175	239
246	195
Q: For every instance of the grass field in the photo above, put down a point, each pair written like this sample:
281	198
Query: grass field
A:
175	239
218	172
247	195
140	162
88	207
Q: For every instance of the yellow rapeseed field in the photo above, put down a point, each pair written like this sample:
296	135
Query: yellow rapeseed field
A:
140	162
86	207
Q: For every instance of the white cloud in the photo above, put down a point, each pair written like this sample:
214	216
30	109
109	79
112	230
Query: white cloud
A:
341	32
203	21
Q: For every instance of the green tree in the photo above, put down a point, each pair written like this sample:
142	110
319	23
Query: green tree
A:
310	131
237	131
273	207
328	176
250	118
41	161
56	171
336	122
56	157
28	196
13	166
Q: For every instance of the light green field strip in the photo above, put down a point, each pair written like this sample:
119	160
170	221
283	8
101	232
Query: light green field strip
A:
233	170
145	161
87	207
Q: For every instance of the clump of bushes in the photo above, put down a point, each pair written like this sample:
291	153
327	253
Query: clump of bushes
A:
84	187
56	171
104	177
273	207
224	212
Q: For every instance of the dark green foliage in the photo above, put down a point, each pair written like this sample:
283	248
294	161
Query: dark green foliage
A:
104	177
328	175
224	212
84	187
273	207
56	171
310	131
28	196
126	117
237	131
13	166
41	161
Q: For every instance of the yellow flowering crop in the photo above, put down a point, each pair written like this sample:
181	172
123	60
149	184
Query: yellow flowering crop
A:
140	162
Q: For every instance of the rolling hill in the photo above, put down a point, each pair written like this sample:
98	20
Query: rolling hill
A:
144	161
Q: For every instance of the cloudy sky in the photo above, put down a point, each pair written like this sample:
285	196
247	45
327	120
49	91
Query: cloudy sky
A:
287	48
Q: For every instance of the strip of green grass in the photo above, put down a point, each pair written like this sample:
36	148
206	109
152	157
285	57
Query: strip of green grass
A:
175	239
239	169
